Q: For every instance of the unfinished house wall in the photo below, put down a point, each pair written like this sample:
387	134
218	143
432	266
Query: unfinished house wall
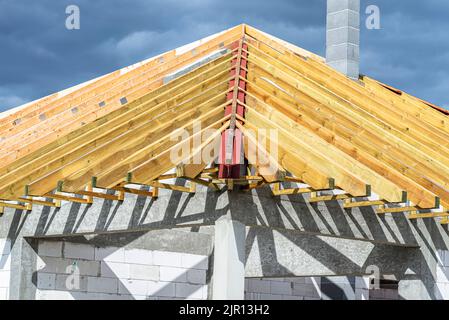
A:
295	251
117	273
5	268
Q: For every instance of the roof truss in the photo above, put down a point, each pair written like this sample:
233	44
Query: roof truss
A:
360	138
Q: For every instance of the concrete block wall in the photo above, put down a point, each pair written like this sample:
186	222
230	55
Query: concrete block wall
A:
315	288
345	288
5	268
283	289
83	271
384	294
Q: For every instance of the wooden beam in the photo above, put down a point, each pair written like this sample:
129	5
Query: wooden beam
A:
167	176
204	183
27	207
54	204
330	198
383	210
428	215
136	191
277	191
190	170
100	195
170	187
60	195
358	204
292	191
293	179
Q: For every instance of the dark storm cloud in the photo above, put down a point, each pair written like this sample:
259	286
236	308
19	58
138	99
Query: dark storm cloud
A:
39	56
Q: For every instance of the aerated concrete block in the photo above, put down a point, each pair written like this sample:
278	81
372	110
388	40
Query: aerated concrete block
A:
102	285
171	274
79	251
50	248
139	256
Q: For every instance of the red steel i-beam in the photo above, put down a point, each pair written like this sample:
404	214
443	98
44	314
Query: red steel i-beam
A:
232	163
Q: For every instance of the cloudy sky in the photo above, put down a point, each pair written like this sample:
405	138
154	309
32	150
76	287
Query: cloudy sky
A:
39	56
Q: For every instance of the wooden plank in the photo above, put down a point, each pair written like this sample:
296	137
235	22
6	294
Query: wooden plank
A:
100	195
428	215
292	191
170	187
27	207
136	191
55	204
333	197
396	210
167	176
204	183
293	179
61	196
358	204
277	191
409	104
190	171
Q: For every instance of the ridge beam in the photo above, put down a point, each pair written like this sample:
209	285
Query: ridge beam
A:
231	151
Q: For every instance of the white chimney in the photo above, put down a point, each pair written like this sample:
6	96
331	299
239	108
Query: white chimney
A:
343	36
